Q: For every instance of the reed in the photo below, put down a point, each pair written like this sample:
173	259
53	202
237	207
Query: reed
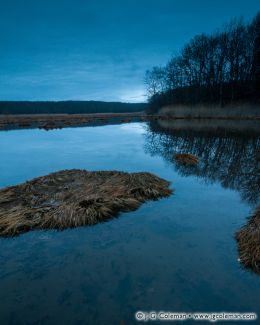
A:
72	198
186	159
248	238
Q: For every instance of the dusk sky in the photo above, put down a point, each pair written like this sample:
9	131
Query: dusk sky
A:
100	49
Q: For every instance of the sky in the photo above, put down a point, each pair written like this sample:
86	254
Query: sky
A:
98	49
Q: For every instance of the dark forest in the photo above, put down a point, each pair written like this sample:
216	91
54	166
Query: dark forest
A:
68	107
221	68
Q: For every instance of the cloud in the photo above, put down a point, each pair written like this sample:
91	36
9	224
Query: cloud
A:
64	49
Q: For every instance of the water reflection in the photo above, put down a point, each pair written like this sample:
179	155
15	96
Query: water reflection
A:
175	254
227	155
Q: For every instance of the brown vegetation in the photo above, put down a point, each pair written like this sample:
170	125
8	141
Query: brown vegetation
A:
248	238
186	159
126	120
55	121
236	112
73	198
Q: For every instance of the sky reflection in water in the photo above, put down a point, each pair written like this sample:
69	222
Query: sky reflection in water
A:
175	254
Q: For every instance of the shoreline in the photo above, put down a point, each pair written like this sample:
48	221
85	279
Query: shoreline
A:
56	121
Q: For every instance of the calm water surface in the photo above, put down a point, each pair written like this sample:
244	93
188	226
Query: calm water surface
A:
175	254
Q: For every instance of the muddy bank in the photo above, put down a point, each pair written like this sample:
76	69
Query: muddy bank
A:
73	198
248	238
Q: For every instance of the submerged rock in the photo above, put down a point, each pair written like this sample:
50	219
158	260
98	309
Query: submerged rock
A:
186	159
248	238
72	198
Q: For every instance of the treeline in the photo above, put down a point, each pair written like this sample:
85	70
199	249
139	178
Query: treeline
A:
220	69
68	107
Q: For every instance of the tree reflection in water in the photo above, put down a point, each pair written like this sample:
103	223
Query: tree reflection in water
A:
226	155
229	155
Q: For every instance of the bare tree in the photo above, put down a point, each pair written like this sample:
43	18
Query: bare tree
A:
221	67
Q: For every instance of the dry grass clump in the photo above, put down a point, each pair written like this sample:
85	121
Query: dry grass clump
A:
126	120
186	159
248	238
24	124
72	198
49	126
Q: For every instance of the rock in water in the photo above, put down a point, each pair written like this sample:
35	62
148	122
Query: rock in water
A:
72	198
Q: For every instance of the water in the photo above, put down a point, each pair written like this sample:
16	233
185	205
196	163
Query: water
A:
176	254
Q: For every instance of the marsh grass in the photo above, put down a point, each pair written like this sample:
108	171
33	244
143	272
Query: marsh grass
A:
55	121
186	159
72	198
235	111
248	238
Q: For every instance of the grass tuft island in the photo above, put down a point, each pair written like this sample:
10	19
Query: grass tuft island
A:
186	159
248	238
72	198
